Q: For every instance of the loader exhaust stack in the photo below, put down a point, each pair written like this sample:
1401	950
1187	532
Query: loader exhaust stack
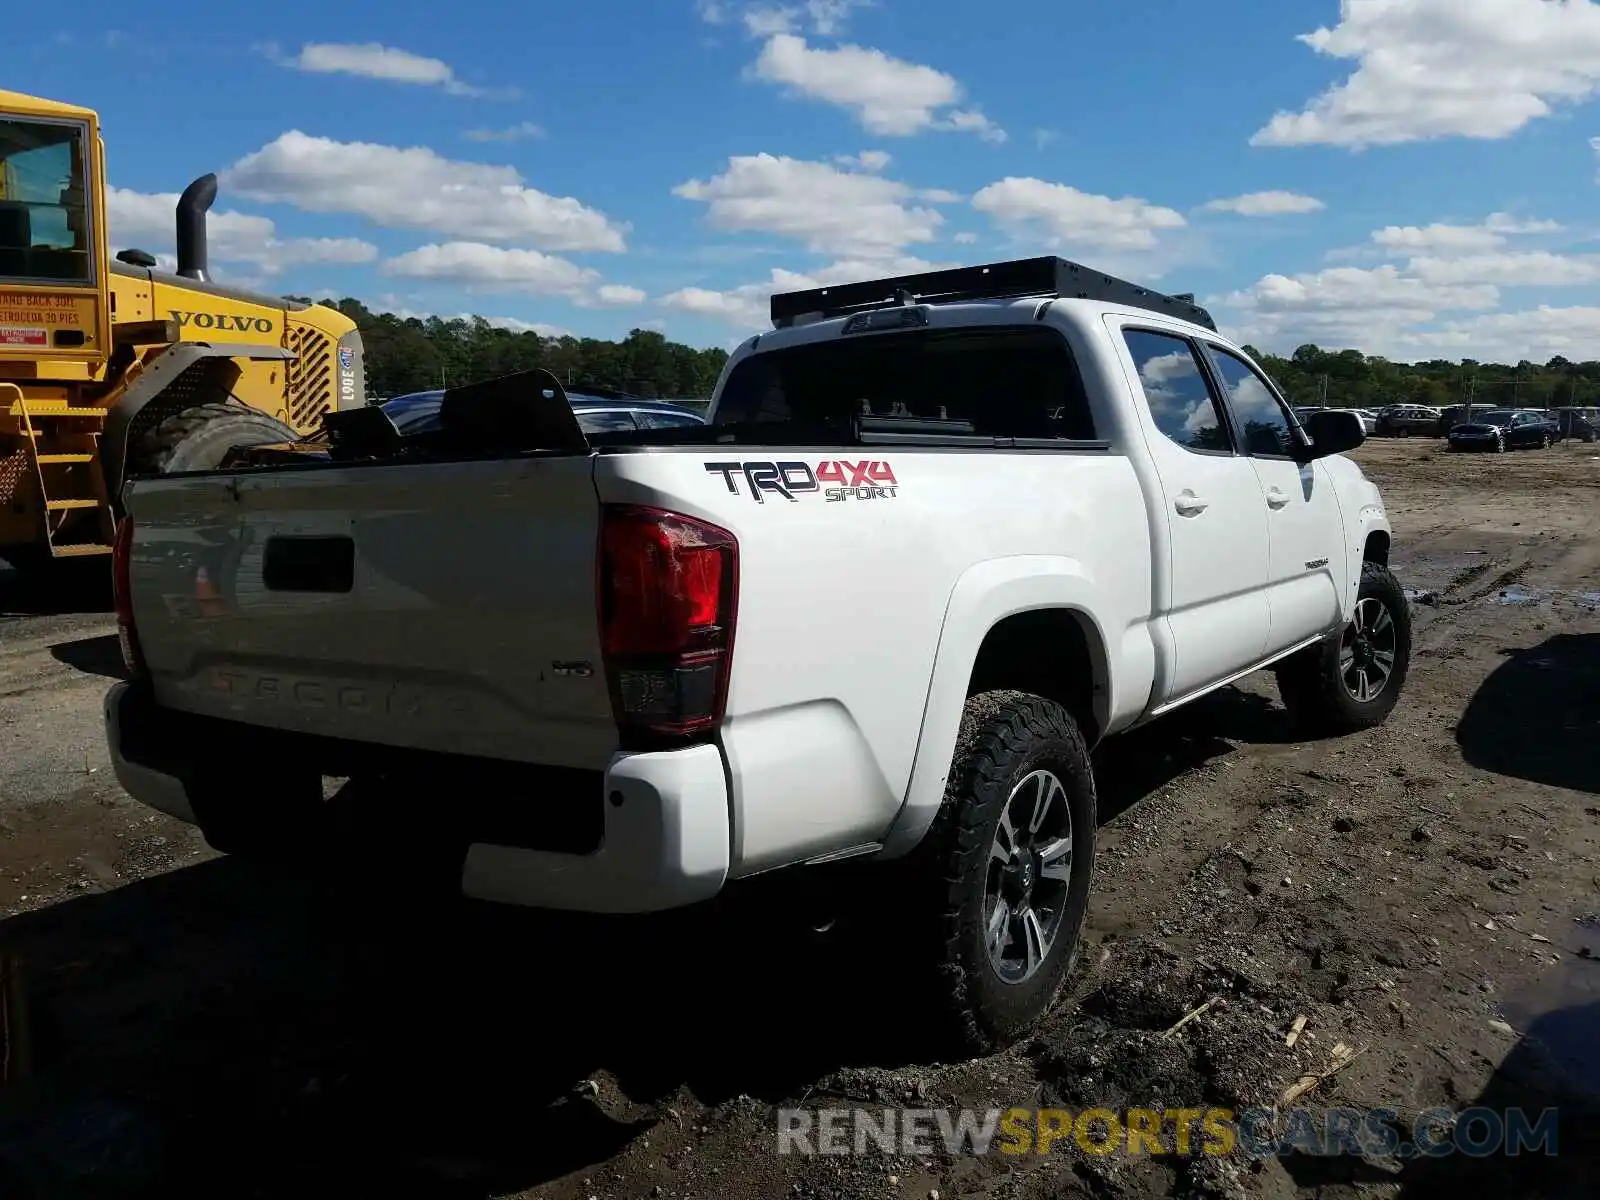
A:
192	206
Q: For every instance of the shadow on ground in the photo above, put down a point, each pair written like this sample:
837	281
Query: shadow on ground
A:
1538	1075
1133	765
1537	715
228	1030
93	656
65	588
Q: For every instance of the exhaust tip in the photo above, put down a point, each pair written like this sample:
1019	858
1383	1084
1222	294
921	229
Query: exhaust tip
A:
197	198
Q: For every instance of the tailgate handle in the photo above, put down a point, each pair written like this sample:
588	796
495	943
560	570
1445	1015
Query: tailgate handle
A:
309	564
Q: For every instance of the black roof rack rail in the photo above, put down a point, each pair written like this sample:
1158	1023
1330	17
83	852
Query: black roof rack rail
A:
1049	276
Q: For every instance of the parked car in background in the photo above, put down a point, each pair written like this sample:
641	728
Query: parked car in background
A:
1580	424
1404	420
1369	420
418	412
1502	429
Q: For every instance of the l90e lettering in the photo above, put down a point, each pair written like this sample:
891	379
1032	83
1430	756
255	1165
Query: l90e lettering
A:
869	479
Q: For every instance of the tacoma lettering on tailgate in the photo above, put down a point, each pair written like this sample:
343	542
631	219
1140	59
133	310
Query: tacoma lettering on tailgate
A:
354	699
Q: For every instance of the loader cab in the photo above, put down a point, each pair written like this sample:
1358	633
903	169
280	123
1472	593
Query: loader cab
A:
53	288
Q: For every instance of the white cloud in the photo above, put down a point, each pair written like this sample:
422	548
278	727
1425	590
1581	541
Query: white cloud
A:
1442	238
888	96
1506	223
515	133
744	307
825	17
619	295
1265	204
1445	68
1437	237
478	266
1411	306
416	188
493	268
148	221
1064	216
747	307
965	239
1537	268
517	325
1538	334
372	60
765	22
838	212
1348	306
871	160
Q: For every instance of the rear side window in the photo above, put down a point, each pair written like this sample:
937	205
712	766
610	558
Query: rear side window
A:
1006	382
650	419
1175	387
604	420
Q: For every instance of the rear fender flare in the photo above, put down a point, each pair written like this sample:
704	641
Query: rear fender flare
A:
985	595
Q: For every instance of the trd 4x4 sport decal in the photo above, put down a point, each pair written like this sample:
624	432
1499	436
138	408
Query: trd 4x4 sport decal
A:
865	480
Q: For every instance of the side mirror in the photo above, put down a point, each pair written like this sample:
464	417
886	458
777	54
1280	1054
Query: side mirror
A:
1332	431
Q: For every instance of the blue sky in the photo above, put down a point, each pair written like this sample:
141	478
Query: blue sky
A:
1413	177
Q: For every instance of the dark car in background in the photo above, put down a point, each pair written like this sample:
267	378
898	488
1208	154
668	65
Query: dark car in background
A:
1502	429
418	412
1579	424
1404	420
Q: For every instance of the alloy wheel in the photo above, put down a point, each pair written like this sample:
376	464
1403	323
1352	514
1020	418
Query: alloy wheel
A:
1030	872
1367	651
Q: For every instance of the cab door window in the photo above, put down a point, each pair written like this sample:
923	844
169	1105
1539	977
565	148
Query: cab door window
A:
44	206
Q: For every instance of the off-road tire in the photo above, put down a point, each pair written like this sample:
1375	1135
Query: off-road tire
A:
1310	682
1004	737
197	438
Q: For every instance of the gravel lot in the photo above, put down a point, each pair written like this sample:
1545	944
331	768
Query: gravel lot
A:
1427	894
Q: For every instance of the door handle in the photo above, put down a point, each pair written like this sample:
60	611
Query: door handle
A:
1188	504
1277	497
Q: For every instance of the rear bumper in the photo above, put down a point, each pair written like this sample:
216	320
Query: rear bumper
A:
662	842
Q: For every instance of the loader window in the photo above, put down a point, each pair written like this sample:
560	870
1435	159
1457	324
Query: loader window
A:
1006	382
44	204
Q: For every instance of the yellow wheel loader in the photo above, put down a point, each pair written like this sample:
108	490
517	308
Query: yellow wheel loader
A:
110	367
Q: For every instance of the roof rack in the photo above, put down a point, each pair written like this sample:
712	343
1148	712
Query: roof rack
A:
1049	276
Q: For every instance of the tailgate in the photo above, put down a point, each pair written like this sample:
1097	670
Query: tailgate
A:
441	606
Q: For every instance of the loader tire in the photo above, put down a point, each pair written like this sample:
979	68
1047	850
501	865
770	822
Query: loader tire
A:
197	438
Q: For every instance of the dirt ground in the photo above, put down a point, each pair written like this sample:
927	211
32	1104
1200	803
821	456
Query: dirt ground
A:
1426	895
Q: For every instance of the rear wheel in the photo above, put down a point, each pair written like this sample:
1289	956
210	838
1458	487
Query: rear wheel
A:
1352	680
1007	865
197	438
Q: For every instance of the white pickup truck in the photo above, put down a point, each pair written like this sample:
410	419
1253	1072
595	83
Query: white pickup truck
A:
941	535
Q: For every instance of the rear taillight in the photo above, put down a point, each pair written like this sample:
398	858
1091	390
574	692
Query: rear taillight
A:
122	591
668	593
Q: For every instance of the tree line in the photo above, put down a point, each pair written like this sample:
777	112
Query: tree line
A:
409	354
1351	379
